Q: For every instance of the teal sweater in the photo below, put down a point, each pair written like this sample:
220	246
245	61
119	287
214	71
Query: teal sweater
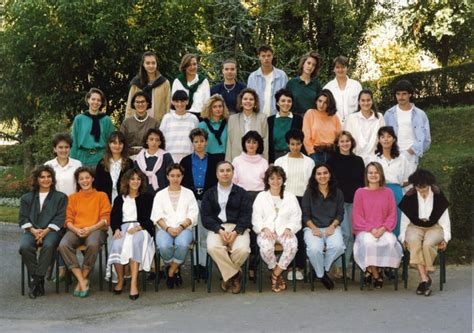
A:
83	144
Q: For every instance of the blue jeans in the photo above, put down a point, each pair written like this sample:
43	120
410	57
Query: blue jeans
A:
320	157
322	251
346	227
173	249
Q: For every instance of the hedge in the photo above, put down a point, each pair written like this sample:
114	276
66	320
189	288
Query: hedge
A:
447	86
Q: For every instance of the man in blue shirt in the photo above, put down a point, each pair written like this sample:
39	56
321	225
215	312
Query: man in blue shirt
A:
267	80
410	124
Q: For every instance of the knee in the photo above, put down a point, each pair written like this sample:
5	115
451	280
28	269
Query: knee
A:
26	248
313	250
242	250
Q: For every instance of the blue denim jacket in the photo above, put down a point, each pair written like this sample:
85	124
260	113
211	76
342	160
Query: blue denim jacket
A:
421	127
256	81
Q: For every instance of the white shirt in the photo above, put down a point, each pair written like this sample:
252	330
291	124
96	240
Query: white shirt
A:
222	198
42	197
129	209
346	100
115	168
298	171
200	97
176	130
396	170
65	181
425	207
267	106
247	121
406	134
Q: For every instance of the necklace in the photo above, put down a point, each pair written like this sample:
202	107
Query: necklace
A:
230	89
141	120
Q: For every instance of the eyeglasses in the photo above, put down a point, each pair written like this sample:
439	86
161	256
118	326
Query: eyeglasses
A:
140	102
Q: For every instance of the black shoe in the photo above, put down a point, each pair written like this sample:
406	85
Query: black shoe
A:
427	291
389	273
368	279
134	297
40	286
422	286
117	292
202	272
429	281
327	282
170	281
151	276
178	280
33	287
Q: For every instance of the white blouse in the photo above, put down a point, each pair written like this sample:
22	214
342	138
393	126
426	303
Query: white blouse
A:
65	181
396	170
346	100
425	207
277	218
187	208
129	209
200	97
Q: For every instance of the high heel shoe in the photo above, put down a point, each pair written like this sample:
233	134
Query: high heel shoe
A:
117	292
134	297
170	281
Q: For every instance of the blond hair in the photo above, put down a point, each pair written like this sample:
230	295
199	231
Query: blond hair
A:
207	108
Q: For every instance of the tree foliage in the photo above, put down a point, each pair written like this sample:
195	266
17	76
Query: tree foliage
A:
441	27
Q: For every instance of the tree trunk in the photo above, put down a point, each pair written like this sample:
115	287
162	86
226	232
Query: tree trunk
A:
444	58
27	132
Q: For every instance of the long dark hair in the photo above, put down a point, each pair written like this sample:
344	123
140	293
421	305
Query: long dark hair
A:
142	73
331	110
36	173
272	169
120	137
124	186
313	184
394	152
374	105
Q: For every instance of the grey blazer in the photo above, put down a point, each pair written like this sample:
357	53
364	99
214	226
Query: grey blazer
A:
236	130
51	215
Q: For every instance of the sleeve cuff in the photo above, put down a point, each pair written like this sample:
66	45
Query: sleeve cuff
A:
54	227
26	226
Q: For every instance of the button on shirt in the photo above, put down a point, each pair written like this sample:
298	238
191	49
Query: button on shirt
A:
222	197
115	168
199	170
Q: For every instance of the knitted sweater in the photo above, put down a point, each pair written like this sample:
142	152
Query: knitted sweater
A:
86	208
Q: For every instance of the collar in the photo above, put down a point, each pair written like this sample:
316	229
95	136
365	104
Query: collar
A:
360	115
194	155
177	116
398	108
290	115
223	189
147	154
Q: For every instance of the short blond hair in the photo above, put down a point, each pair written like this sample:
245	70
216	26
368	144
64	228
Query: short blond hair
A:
206	112
379	168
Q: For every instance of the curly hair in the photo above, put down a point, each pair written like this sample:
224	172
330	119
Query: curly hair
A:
275	170
36	174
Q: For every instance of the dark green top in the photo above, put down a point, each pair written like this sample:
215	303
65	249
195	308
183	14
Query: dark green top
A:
304	95
51	215
280	128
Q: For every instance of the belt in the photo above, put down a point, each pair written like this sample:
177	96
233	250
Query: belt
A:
92	151
199	190
323	148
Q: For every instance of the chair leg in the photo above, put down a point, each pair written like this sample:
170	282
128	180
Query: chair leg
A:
361	279
245	275
209	272
344	268
56	257
294	275
101	283
193	274
22	277
442	270
260	273
157	268
353	267
196	248
396	278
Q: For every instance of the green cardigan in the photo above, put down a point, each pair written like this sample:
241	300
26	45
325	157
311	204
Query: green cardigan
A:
52	215
84	148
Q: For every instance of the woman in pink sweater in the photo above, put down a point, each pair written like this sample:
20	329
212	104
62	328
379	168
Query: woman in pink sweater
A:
249	171
374	216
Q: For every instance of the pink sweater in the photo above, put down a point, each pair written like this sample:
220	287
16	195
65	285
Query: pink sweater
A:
249	171
373	209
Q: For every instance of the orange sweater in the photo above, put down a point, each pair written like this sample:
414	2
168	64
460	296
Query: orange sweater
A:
84	209
319	129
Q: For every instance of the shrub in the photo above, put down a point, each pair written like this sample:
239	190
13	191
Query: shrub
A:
11	155
461	192
446	86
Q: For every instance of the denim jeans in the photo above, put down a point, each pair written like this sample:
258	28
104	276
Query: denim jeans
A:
320	157
322	251
173	249
346	227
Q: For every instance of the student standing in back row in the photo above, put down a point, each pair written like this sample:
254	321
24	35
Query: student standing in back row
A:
267	80
230	88
411	125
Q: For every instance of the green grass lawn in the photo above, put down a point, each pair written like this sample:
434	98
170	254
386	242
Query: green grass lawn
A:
9	214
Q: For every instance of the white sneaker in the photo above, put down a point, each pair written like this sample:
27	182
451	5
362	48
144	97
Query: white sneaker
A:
298	274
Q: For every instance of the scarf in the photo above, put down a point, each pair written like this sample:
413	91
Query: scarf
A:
217	133
192	88
148	87
95	130
141	161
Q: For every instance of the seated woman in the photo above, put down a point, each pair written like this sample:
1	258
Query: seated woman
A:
42	213
132	230
175	212
153	160
87	221
113	165
374	217
323	213
425	225
276	217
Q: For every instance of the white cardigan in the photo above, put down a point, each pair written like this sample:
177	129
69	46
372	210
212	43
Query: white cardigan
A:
363	149
187	208
264	214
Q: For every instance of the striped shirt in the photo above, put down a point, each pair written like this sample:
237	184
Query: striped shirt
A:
176	130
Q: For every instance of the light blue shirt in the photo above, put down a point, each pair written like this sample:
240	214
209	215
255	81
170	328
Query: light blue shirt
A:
256	81
421	128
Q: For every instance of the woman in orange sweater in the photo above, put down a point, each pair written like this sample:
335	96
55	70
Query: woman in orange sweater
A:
320	128
87	221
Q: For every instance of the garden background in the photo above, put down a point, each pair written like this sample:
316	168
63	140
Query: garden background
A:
53	51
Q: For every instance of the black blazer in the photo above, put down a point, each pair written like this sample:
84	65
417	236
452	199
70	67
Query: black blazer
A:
144	204
103	180
296	122
210	179
238	209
